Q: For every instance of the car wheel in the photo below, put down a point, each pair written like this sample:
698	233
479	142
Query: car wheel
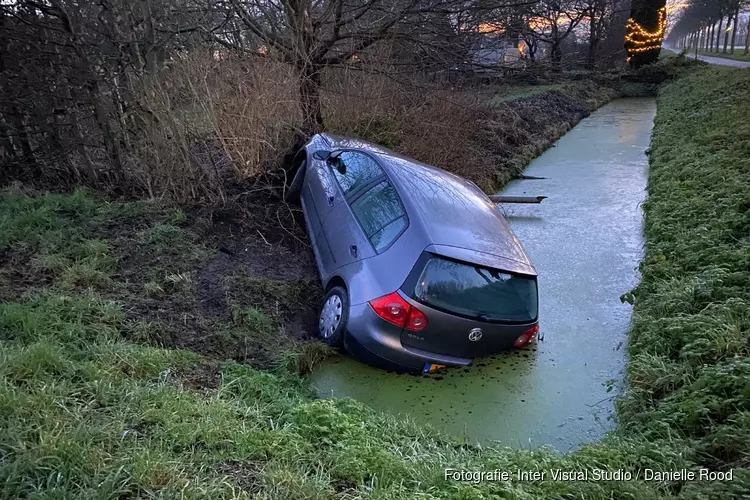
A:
333	317
295	188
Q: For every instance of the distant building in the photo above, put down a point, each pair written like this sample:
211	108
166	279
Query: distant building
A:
496	54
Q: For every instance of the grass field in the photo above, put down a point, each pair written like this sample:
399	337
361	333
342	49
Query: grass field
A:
92	407
689	371
92	404
513	92
739	54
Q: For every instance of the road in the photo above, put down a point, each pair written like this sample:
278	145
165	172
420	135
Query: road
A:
715	60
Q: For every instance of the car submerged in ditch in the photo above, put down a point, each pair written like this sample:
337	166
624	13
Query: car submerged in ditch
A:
420	269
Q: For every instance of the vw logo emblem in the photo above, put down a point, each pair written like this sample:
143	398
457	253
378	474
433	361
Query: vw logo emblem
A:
475	334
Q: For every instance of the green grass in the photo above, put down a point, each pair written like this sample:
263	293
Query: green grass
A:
514	92
739	54
690	351
86	413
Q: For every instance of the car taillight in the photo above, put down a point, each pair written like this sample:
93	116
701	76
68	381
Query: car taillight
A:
396	310
527	337
417	320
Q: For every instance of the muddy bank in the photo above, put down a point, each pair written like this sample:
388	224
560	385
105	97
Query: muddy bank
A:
238	281
261	260
255	299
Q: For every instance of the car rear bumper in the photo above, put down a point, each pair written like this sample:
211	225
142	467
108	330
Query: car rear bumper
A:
378	342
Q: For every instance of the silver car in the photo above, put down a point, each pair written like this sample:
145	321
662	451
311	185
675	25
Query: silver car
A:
420	269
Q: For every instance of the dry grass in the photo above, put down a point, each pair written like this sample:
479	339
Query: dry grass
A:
207	121
209	125
428	122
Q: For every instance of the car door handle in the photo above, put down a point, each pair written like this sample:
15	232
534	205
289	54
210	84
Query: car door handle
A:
331	201
353	250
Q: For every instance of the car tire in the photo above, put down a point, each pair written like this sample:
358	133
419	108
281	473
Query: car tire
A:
333	317
294	191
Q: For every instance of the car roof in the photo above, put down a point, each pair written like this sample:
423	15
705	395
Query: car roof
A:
458	218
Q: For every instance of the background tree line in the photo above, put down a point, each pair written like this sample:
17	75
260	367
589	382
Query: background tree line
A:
174	96
712	26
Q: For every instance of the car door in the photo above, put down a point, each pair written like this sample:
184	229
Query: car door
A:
321	192
319	197
370	220
349	172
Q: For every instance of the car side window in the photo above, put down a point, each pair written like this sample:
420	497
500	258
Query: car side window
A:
381	214
355	170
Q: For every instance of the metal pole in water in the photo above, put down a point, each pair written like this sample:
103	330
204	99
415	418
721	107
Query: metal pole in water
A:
498	198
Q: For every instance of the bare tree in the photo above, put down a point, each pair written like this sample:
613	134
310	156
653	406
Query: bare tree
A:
602	16
312	35
552	21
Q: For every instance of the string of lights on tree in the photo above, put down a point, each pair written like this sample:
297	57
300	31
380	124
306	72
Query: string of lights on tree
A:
645	31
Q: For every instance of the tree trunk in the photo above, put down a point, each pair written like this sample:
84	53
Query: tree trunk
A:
696	45
726	35
6	140
747	39
645	19
718	35
734	28
102	114
708	37
711	30
706	33
556	56
309	91
591	63
21	131
80	144
593	41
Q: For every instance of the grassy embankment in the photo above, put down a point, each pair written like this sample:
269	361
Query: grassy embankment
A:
689	368
88	409
738	55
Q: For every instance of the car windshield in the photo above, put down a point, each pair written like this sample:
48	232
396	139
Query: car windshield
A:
477	292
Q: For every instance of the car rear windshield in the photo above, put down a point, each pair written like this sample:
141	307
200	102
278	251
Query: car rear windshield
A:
477	292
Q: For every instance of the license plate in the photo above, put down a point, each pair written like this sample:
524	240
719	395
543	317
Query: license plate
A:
432	367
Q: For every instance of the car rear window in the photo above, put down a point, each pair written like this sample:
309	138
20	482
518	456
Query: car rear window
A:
477	292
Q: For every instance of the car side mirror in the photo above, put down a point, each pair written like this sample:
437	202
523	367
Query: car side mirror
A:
321	154
335	162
